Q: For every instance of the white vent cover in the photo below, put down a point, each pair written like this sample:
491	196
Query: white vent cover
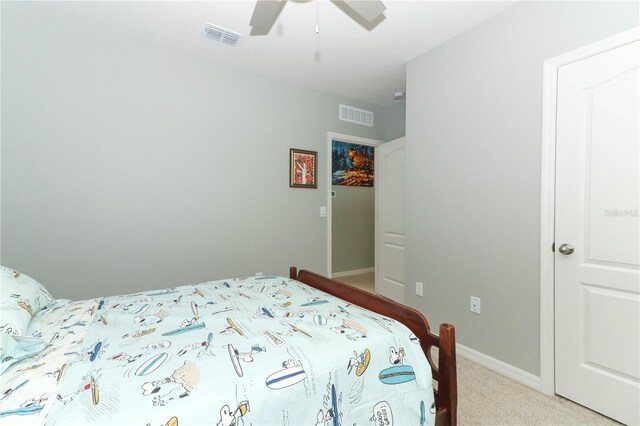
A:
220	34
356	115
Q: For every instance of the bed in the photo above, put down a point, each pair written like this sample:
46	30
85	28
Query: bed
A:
246	351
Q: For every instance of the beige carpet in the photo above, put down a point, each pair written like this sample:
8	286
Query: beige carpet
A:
364	281
489	398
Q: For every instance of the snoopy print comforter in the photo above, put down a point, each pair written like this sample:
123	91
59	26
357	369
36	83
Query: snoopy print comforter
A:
249	351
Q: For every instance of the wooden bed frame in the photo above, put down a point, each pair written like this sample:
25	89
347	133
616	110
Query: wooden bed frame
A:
446	391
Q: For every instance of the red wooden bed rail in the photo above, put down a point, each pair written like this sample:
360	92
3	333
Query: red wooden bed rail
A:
446	392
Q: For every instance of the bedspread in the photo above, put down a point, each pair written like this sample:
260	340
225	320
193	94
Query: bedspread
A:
258	351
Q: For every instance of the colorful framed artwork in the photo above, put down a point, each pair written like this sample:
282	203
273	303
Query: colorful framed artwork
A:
303	168
352	164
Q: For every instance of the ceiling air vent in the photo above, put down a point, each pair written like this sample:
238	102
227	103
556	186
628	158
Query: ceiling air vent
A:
220	34
356	115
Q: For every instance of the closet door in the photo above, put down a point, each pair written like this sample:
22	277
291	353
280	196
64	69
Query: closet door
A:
597	254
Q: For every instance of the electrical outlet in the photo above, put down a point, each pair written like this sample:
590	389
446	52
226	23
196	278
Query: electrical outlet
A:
419	289
474	305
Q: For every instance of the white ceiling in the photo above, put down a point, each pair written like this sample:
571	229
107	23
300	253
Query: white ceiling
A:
344	58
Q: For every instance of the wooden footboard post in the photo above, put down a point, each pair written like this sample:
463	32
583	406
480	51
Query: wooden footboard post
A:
293	272
448	381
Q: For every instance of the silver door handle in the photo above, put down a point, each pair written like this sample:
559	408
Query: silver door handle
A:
566	249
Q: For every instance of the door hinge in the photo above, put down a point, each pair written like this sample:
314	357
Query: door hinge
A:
553	247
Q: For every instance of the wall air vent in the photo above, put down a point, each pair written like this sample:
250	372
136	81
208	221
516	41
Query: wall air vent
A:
220	34
356	115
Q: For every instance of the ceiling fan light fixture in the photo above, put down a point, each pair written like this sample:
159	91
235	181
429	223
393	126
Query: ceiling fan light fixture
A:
266	12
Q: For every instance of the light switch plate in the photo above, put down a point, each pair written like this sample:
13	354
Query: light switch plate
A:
419	289
323	211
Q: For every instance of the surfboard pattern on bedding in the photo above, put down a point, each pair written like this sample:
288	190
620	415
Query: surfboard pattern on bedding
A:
244	351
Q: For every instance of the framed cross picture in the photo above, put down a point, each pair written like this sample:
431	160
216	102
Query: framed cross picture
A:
303	168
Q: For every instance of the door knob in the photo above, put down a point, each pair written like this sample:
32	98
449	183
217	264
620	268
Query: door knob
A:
566	249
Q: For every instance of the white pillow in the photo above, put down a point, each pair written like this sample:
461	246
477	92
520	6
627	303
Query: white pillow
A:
20	298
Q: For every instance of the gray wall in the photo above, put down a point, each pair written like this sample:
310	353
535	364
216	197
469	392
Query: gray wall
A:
395	116
353	222
473	170
128	165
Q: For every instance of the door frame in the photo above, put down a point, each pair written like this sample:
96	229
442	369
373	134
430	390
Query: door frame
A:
547	194
346	138
378	223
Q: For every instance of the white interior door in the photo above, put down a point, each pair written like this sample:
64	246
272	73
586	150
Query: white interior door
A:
390	174
597	285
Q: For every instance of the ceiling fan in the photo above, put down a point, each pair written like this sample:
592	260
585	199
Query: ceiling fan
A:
266	12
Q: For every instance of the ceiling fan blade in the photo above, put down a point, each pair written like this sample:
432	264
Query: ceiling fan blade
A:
264	16
368	9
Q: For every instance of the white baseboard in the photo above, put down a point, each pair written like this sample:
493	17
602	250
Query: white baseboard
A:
498	366
354	272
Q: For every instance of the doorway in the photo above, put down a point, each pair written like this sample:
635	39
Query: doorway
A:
590	250
351	209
